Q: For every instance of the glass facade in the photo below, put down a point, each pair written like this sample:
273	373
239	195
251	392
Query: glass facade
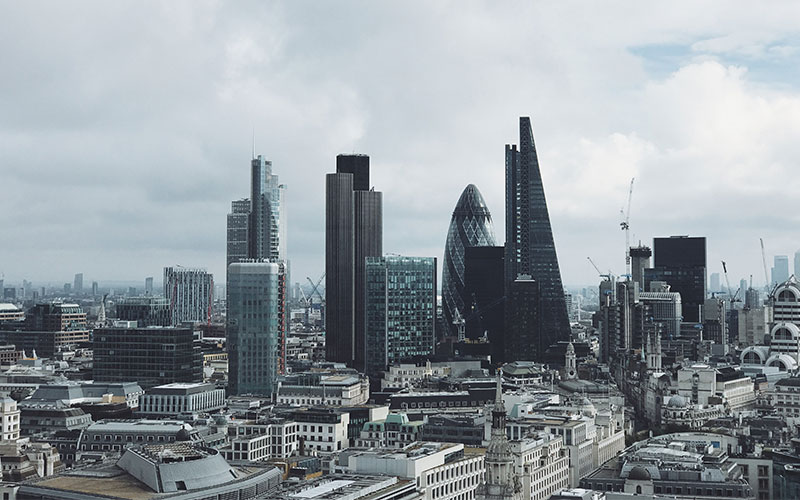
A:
400	310
681	262
253	327
530	249
470	226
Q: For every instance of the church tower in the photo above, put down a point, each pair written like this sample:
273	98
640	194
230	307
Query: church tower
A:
571	364
500	481
654	352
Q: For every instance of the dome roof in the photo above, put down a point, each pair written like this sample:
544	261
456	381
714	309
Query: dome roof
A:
639	474
183	435
471	203
677	401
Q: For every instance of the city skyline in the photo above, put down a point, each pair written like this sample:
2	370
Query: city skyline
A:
701	115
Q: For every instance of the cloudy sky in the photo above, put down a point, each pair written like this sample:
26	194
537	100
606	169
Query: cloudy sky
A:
126	127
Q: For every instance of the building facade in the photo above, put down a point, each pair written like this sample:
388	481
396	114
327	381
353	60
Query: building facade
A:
253	327
400	310
189	292
353	232
681	262
530	249
170	400
470	226
152	356
146	311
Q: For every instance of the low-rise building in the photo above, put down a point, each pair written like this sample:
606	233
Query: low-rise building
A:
346	487
180	398
455	428
346	389
36	419
263	440
323	430
114	435
394	431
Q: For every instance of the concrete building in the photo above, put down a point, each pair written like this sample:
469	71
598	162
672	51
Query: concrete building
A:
319	389
36	419
705	385
179	470
262	440
10	312
171	400
114	435
394	431
346	487
323	430
189	292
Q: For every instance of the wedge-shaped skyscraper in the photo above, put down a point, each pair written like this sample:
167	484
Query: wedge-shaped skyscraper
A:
530	250
470	226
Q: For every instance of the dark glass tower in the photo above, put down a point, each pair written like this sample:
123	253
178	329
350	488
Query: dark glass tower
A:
353	232
681	262
530	250
470	226
484	290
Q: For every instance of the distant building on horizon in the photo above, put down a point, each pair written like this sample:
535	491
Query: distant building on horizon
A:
470	226
353	232
78	284
780	269
189	292
400	310
530	249
148	285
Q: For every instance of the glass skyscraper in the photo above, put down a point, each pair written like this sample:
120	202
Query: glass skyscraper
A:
253	327
530	249
470	226
400	310
681	262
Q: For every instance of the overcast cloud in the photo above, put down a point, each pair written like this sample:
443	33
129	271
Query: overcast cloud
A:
126	127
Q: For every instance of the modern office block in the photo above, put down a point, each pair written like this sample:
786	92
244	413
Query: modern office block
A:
353	232
148	285
470	226
484	289
400	310
78	284
780	269
523	323
146	311
714	283
189	292
530	249
238	221
681	262
150	356
95	288
253	327
640	260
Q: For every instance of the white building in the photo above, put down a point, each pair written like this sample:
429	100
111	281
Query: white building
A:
542	464
322	430
176	398
678	412
252	442
326	390
705	385
9	413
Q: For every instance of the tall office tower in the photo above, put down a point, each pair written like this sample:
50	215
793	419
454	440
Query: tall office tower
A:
640	260
353	232
253	327
797	264
530	249
148	285
149	356
523	319
188	291
95	288
264	225
714	283
715	326
681	262
238	221
78	284
743	286
146	311
667	311
752	298
484	288
400	310
67	289
470	226
780	271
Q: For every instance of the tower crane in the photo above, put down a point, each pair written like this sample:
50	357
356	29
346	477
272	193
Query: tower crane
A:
625	225
728	283
764	261
600	273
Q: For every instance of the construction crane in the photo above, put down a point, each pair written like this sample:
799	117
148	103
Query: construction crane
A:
600	273
764	260
728	283
315	288
625	225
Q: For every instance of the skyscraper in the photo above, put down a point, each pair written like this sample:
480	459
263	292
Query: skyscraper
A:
797	264
530	249
256	230
484	290
780	271
470	226
148	285
253	327
681	262
400	310
640	260
714	283
353	232
78	284
189	292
